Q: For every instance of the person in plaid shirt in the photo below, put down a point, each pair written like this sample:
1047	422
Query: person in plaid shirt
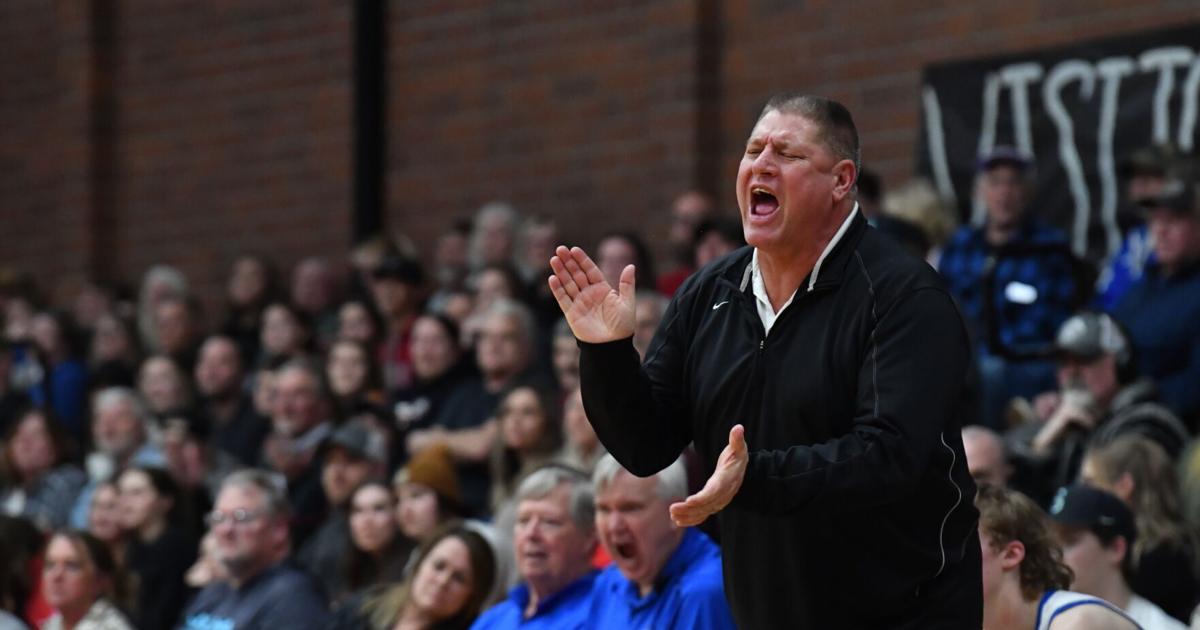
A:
1033	287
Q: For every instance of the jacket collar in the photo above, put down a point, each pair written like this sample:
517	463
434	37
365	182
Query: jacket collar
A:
830	266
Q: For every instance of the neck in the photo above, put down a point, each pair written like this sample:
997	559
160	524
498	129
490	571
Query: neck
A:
1010	609
72	614
784	270
413	617
996	234
542	590
1114	589
495	381
399	322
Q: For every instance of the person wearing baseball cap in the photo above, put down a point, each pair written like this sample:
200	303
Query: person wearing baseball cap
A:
1013	278
1162	309
1099	397
1097	531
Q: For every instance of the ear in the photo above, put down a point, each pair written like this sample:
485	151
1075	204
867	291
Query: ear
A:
1117	549
845	176
1012	555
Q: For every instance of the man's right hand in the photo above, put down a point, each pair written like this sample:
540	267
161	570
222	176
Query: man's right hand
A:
595	312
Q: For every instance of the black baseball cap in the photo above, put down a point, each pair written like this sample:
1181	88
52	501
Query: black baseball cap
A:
357	441
1004	155
1177	195
1095	510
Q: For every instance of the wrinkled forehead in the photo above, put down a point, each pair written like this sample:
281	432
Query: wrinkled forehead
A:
779	125
240	497
552	505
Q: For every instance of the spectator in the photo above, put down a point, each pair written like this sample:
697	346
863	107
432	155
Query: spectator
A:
450	266
662	576
581	448
396	286
715	238
565	357
314	293
92	301
262	592
616	250
378	551
237	427
160	283
12	399
465	423
177	326
286	334
649	309
530	435
454	573
358	320
917	203
104	519
350	459
987	458
83	583
538	238
1162	309
64	383
1163	555
121	438
21	545
39	482
870	194
1098	395
159	552
114	356
688	210
196	467
1024	578
250	288
554	541
1097	533
427	493
353	377
164	387
1033	283
299	426
438	370
493	235
1144	173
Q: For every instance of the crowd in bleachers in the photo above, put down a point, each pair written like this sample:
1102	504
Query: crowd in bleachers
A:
398	440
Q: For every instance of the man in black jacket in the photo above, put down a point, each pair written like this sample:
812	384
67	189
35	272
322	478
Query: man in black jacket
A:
839	357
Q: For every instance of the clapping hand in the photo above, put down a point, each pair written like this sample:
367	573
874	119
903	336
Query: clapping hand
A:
721	487
595	312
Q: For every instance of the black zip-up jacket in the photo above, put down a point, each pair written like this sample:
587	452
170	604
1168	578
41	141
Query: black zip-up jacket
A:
857	510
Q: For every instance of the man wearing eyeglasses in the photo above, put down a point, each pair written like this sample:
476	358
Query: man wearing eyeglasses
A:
250	525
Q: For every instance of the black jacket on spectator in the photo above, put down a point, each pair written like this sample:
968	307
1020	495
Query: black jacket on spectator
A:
159	567
856	509
242	436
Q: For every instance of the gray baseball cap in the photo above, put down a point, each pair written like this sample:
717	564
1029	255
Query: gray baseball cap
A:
1090	335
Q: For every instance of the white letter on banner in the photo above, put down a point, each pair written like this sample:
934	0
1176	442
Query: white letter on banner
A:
1017	77
1111	71
1187	118
935	138
1068	153
1164	59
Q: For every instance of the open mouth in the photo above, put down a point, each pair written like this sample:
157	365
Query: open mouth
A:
762	201
626	551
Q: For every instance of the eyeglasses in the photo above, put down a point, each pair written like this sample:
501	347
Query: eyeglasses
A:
237	517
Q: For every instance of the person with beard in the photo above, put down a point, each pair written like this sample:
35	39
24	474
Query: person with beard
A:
261	592
236	428
120	436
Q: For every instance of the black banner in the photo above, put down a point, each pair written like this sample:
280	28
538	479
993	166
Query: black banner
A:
1078	110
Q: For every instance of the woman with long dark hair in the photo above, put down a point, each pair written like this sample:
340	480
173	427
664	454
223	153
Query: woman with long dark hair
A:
38	480
378	551
454	572
84	584
158	552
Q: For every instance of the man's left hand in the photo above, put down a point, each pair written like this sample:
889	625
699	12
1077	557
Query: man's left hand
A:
721	487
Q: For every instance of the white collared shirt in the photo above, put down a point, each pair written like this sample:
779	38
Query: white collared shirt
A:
766	312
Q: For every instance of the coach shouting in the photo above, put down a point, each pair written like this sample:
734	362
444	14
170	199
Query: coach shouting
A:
818	372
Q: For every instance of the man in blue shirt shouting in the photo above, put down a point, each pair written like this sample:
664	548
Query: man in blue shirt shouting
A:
662	576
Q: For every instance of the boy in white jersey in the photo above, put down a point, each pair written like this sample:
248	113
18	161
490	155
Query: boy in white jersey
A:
1024	578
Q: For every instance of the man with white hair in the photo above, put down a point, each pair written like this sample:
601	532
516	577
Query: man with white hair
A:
662	576
121	435
554	539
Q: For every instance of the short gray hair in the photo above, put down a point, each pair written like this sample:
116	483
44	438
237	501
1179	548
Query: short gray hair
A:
271	486
581	504
672	480
112	396
514	310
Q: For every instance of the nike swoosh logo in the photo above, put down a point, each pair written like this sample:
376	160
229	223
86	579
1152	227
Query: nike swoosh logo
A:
720	304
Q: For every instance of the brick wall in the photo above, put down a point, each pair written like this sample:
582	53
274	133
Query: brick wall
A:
190	132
